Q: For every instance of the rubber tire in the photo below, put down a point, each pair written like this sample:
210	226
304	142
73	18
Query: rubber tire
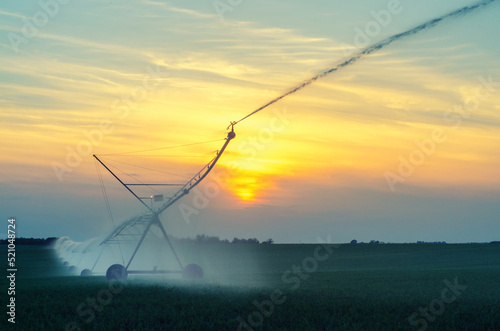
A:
86	272
192	271
117	272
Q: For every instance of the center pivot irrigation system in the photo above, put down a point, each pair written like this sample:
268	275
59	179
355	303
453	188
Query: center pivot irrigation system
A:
152	218
142	224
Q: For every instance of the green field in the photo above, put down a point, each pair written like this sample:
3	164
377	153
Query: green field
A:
272	287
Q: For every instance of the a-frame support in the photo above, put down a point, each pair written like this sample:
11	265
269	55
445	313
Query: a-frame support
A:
156	221
119	271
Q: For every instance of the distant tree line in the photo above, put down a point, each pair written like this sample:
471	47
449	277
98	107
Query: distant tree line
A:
199	239
31	241
354	241
381	242
204	239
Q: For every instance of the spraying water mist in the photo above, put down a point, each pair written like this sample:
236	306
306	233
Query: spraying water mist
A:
375	47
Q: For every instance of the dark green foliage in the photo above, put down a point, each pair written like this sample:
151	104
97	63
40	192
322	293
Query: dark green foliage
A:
359	287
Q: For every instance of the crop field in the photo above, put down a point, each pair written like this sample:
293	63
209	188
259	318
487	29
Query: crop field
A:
272	287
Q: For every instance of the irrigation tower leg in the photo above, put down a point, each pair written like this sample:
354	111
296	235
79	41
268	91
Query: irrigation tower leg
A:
168	241
140	241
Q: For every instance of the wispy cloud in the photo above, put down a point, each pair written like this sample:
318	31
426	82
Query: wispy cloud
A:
170	8
5	13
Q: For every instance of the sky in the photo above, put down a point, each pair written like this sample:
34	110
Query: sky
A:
401	146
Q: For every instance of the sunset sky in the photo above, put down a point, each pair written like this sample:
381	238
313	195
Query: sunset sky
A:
404	145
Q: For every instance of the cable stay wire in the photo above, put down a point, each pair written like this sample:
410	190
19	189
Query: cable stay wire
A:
161	148
149	185
163	155
108	207
146	168
133	178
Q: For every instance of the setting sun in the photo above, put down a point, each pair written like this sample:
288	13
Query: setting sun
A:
246	188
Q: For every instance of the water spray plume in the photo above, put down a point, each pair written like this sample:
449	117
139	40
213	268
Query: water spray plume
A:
375	47
96	255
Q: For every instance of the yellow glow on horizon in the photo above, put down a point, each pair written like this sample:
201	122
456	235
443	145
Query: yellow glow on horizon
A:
342	130
246	194
246	188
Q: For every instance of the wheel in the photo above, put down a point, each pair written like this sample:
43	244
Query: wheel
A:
86	272
116	271
192	271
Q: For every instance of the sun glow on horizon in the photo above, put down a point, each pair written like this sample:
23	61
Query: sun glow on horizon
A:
247	188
